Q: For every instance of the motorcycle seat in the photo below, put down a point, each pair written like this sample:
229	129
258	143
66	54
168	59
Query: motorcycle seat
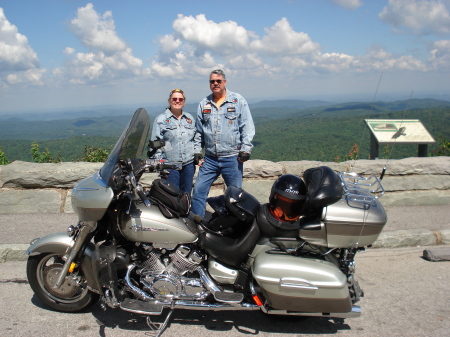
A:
230	251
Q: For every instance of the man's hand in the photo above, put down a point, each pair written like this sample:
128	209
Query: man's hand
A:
243	156
198	159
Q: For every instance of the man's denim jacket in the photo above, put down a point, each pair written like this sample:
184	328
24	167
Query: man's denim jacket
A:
224	131
180	134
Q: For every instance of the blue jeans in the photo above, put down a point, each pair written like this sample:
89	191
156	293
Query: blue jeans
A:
231	170
182	179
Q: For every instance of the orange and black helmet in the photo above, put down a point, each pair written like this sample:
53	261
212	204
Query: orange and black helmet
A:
287	197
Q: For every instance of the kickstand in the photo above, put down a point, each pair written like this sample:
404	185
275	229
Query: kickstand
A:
158	328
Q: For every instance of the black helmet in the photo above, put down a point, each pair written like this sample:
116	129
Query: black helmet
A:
287	197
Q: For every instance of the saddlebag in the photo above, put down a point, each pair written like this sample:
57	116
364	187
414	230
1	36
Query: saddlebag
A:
298	284
171	202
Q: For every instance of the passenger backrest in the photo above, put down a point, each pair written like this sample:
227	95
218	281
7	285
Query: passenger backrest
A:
323	185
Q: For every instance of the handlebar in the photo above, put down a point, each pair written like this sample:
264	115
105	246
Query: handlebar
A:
132	170
163	166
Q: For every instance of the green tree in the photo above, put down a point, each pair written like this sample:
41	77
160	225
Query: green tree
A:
95	155
3	159
443	147
45	157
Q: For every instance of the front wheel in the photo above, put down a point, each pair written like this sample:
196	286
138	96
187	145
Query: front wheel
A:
72	296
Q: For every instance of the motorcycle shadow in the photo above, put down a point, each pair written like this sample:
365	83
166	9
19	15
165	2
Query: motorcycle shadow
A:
248	323
244	322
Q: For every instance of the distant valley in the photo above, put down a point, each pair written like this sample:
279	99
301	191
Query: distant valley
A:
285	129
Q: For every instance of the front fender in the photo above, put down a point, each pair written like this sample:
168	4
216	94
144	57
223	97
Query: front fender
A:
60	243
52	243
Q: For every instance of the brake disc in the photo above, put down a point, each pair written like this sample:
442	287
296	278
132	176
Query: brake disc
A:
69	287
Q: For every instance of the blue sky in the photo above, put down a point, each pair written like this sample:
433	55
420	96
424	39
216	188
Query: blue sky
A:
70	53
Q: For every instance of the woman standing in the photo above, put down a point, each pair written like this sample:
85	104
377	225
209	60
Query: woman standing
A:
178	128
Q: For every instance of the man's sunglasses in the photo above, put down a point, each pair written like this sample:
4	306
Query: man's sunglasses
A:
213	81
177	99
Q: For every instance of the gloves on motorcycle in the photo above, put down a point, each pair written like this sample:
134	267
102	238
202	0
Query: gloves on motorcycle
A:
243	156
197	158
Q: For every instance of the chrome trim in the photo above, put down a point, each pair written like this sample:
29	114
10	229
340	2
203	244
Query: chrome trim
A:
208	282
354	313
86	189
193	305
360	189
300	285
136	290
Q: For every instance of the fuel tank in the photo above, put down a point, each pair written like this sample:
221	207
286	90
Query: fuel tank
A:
147	224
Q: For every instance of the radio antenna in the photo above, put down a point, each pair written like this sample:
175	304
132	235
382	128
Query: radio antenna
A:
395	139
364	129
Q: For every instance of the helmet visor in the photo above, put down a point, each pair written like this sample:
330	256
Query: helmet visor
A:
285	209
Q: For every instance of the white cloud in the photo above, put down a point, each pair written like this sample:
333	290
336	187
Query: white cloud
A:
348	4
68	50
205	44
422	17
379	59
281	39
18	61
333	62
96	32
440	54
168	44
224	37
108	58
28	77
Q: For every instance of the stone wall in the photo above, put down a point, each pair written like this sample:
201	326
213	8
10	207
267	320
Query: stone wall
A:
29	187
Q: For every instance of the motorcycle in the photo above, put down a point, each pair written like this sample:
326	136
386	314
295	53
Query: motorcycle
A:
141	250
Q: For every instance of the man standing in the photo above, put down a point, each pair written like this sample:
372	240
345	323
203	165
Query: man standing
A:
225	130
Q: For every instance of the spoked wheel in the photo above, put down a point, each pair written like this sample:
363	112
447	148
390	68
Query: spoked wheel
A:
72	296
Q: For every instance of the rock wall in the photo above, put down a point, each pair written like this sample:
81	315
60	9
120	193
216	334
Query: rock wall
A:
30	187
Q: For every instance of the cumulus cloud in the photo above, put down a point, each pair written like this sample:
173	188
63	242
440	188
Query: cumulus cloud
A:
205	44
108	57
422	17
440	54
224	37
18	61
281	39
348	4
281	51
95	31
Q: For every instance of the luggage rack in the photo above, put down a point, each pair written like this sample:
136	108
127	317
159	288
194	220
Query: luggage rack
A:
361	189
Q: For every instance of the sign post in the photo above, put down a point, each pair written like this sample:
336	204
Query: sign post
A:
392	131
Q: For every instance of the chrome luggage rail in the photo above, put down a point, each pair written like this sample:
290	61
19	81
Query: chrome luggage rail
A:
361	189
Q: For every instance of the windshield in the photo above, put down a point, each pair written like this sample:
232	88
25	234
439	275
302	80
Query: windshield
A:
130	144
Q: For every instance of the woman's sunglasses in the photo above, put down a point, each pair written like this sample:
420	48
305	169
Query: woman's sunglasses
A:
177	99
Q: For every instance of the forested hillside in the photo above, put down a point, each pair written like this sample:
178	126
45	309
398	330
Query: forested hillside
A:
287	130
323	138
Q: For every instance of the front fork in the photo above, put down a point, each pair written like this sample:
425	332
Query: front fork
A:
81	237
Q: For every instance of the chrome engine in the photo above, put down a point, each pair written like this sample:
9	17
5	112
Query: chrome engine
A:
162	275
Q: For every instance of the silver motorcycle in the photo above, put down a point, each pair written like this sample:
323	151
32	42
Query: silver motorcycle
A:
141	250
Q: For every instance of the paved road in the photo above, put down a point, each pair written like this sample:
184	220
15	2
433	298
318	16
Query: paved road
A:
21	228
405	295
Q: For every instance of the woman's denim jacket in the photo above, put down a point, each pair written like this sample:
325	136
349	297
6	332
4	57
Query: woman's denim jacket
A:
180	134
226	130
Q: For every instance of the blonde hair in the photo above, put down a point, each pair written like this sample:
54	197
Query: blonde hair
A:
174	91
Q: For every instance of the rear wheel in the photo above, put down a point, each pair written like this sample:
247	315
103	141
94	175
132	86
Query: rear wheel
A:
73	294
